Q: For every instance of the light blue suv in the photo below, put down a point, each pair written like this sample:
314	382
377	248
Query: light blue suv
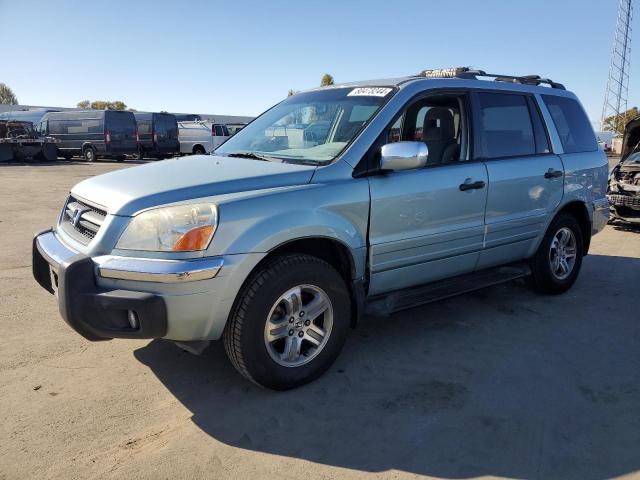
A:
413	189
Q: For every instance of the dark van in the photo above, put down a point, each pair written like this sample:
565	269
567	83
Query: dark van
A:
92	133
158	134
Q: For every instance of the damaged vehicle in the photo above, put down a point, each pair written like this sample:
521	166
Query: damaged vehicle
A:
624	181
20	141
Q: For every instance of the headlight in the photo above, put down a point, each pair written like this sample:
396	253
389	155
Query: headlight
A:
171	229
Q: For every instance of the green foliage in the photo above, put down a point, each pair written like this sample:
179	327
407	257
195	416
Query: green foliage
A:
103	105
291	92
7	97
326	80
616	123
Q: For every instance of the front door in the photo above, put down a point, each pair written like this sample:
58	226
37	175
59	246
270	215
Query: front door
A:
428	224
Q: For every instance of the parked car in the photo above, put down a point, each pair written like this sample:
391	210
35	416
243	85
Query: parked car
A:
92	133
279	248
157	135
624	181
201	137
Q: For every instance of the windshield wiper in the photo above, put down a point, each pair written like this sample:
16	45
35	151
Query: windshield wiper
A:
254	156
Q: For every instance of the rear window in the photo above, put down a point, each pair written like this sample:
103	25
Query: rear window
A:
505	128
144	127
120	122
572	124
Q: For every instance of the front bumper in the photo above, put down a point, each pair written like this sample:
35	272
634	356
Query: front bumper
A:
90	298
625	207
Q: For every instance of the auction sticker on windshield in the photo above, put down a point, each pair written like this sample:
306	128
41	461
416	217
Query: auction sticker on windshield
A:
369	92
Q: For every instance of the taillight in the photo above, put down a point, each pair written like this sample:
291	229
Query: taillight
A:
107	137
155	137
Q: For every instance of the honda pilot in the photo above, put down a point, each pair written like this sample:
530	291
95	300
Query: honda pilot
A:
408	191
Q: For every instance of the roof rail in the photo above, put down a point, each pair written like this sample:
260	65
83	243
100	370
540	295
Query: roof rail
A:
473	74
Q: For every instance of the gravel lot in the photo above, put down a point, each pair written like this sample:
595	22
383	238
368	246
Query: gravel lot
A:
497	383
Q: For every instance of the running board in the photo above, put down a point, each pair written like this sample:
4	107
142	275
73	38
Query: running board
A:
386	304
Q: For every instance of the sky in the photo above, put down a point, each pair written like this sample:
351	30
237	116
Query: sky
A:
240	57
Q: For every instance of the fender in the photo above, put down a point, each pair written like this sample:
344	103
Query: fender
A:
259	224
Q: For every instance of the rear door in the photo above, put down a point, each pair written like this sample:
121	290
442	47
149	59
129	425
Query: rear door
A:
525	178
122	132
171	128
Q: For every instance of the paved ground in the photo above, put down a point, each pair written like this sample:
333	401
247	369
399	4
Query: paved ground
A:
498	383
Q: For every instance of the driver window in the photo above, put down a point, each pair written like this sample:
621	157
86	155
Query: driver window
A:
437	121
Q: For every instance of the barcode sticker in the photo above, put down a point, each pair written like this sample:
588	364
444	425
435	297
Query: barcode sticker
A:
369	92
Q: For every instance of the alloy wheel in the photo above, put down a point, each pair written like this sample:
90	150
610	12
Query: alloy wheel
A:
298	326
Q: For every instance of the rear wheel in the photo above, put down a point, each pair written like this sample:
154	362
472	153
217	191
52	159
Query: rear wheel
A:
289	322
89	154
199	150
557	262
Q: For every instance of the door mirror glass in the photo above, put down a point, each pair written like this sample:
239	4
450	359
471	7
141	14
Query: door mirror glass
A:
403	156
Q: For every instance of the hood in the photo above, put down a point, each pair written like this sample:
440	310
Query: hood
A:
631	139
126	191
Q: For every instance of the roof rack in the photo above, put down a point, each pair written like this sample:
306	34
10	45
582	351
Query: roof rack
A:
473	74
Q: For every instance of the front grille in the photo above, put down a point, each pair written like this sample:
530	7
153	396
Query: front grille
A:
81	220
625	201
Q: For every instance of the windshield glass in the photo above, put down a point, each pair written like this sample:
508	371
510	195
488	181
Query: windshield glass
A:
312	128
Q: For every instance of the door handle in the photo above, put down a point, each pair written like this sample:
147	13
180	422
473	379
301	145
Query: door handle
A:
471	185
551	173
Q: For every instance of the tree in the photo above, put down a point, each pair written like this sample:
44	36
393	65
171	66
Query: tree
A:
291	92
103	105
326	80
117	105
7	97
616	123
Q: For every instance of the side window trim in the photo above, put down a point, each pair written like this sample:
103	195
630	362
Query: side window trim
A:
554	137
541	137
478	152
366	165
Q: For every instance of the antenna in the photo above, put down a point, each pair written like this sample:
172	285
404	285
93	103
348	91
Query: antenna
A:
617	92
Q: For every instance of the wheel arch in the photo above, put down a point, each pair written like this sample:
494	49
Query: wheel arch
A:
333	251
578	210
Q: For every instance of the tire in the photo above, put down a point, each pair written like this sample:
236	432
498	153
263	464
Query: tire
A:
89	154
199	150
548	276
246	334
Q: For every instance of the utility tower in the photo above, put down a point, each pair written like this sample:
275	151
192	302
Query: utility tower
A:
615	97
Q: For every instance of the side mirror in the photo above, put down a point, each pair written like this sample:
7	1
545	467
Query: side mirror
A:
403	156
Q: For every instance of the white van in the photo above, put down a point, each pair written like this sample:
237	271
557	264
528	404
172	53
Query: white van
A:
200	137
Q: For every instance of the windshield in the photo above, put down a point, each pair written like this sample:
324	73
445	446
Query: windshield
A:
311	128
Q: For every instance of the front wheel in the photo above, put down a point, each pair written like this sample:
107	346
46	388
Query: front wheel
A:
289	322
557	262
